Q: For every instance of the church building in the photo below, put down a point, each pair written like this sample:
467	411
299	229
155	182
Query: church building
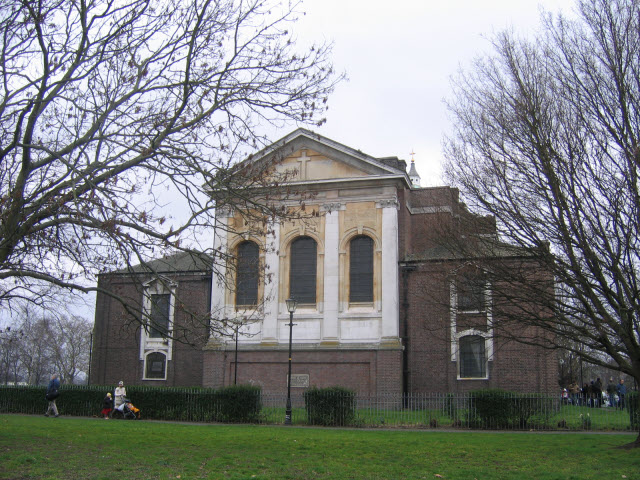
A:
382	305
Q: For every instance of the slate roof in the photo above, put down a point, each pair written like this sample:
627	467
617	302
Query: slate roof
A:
182	262
475	247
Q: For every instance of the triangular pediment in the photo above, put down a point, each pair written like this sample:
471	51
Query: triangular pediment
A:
309	157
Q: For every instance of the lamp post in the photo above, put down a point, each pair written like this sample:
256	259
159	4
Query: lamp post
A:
235	361
291	307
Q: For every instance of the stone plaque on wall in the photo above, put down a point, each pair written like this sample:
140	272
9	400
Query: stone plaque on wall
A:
299	380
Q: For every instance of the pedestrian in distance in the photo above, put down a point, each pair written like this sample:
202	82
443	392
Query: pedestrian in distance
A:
51	395
622	392
611	392
597	392
574	391
119	396
107	405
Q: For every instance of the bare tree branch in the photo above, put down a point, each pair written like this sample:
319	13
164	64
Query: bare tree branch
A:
118	118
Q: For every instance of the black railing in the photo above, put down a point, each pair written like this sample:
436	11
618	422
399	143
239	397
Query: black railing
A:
445	411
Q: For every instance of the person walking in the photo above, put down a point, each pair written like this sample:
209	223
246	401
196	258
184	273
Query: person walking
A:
52	394
119	396
622	391
574	391
107	405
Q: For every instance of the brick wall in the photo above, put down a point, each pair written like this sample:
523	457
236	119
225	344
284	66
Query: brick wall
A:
425	313
368	372
116	341
515	366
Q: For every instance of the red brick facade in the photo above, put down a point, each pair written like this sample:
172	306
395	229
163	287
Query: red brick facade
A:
368	372
431	217
116	341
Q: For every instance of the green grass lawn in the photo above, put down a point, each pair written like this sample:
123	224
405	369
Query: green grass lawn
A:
83	448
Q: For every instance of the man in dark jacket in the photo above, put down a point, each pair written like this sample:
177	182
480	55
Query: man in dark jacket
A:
52	394
622	392
597	392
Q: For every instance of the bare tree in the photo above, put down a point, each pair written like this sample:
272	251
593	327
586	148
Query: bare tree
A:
70	339
34	352
42	344
115	115
546	140
9	358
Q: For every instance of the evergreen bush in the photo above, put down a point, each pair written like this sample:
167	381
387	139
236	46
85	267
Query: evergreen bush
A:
239	403
495	408
330	406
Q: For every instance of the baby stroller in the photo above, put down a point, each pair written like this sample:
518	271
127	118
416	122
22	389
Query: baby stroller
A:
127	411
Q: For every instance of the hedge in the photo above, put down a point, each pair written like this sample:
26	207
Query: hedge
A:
494	408
330	406
241	403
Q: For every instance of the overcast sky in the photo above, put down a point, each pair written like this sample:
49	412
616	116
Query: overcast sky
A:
399	56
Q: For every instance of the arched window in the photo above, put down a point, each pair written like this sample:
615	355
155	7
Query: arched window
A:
361	269
247	274
156	366
302	274
473	360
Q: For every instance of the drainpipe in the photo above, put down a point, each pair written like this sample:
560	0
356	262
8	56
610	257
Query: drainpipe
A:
406	270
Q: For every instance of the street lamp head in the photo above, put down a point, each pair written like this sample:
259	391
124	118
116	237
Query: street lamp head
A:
292	303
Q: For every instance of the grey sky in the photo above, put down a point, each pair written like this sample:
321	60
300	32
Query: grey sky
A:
399	56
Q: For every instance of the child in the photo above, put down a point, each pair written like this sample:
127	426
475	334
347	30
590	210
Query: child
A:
107	404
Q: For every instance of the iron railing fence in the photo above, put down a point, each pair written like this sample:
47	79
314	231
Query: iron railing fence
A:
508	411
462	410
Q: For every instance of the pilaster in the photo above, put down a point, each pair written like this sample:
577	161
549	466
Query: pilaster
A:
390	293
272	282
330	329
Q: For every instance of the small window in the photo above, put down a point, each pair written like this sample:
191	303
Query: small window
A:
156	367
361	269
471	293
473	361
159	315
302	276
247	274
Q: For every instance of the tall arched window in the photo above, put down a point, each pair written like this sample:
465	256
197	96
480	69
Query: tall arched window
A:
247	274
302	274
473	360
361	269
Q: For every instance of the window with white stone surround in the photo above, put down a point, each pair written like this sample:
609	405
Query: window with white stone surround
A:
158	319
361	269
155	339
303	269
471	322
472	357
155	366
247	273
472	293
